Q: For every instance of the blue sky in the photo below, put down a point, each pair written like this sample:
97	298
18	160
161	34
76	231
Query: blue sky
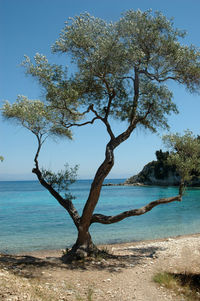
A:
30	26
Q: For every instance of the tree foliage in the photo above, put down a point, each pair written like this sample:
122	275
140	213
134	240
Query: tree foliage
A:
61	180
162	167
185	154
35	116
42	121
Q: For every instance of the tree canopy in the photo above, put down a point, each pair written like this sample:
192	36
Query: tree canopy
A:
120	71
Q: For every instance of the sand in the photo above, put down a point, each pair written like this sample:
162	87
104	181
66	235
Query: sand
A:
127	276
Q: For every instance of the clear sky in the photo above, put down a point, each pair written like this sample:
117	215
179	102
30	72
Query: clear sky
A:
30	26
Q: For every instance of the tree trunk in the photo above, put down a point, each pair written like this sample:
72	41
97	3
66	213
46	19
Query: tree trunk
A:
182	187
83	247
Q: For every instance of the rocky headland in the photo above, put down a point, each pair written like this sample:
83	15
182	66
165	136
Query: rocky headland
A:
159	173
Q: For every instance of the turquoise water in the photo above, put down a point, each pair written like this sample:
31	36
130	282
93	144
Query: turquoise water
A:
30	219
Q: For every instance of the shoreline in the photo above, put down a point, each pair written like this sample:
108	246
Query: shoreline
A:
58	252
140	184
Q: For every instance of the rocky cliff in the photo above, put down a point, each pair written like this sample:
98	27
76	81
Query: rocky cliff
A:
157	173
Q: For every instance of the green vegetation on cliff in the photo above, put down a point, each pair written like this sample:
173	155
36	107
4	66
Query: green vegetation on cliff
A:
180	165
157	172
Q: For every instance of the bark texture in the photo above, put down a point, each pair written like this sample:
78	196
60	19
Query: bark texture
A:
83	247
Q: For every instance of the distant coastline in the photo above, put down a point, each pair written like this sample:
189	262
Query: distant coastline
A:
124	184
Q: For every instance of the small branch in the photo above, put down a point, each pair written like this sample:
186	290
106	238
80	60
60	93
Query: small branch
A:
136	95
155	77
111	93
97	116
39	139
69	125
87	111
141	118
103	219
109	105
105	121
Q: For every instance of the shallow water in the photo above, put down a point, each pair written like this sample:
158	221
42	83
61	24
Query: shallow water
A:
30	219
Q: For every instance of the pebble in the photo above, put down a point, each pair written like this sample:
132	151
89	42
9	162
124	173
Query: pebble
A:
69	292
2	274
107	280
116	269
168	250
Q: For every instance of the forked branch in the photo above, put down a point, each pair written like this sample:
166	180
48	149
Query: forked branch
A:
159	77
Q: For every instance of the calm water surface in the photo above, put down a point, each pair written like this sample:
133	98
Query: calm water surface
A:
30	219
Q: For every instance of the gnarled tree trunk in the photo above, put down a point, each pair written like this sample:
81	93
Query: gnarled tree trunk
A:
83	247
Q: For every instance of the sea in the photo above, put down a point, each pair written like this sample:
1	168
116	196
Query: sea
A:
31	219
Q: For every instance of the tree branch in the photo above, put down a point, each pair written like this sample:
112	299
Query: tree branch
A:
111	93
65	203
103	219
155	77
136	95
69	125
105	121
142	118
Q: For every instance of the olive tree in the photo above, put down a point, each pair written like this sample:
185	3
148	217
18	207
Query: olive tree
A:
120	71
184	155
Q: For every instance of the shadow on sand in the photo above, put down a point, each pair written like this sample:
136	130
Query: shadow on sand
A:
31	267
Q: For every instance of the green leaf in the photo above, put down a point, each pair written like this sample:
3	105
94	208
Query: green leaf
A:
62	179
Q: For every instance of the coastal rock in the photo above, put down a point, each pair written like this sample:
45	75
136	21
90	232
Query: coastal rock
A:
160	173
155	173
